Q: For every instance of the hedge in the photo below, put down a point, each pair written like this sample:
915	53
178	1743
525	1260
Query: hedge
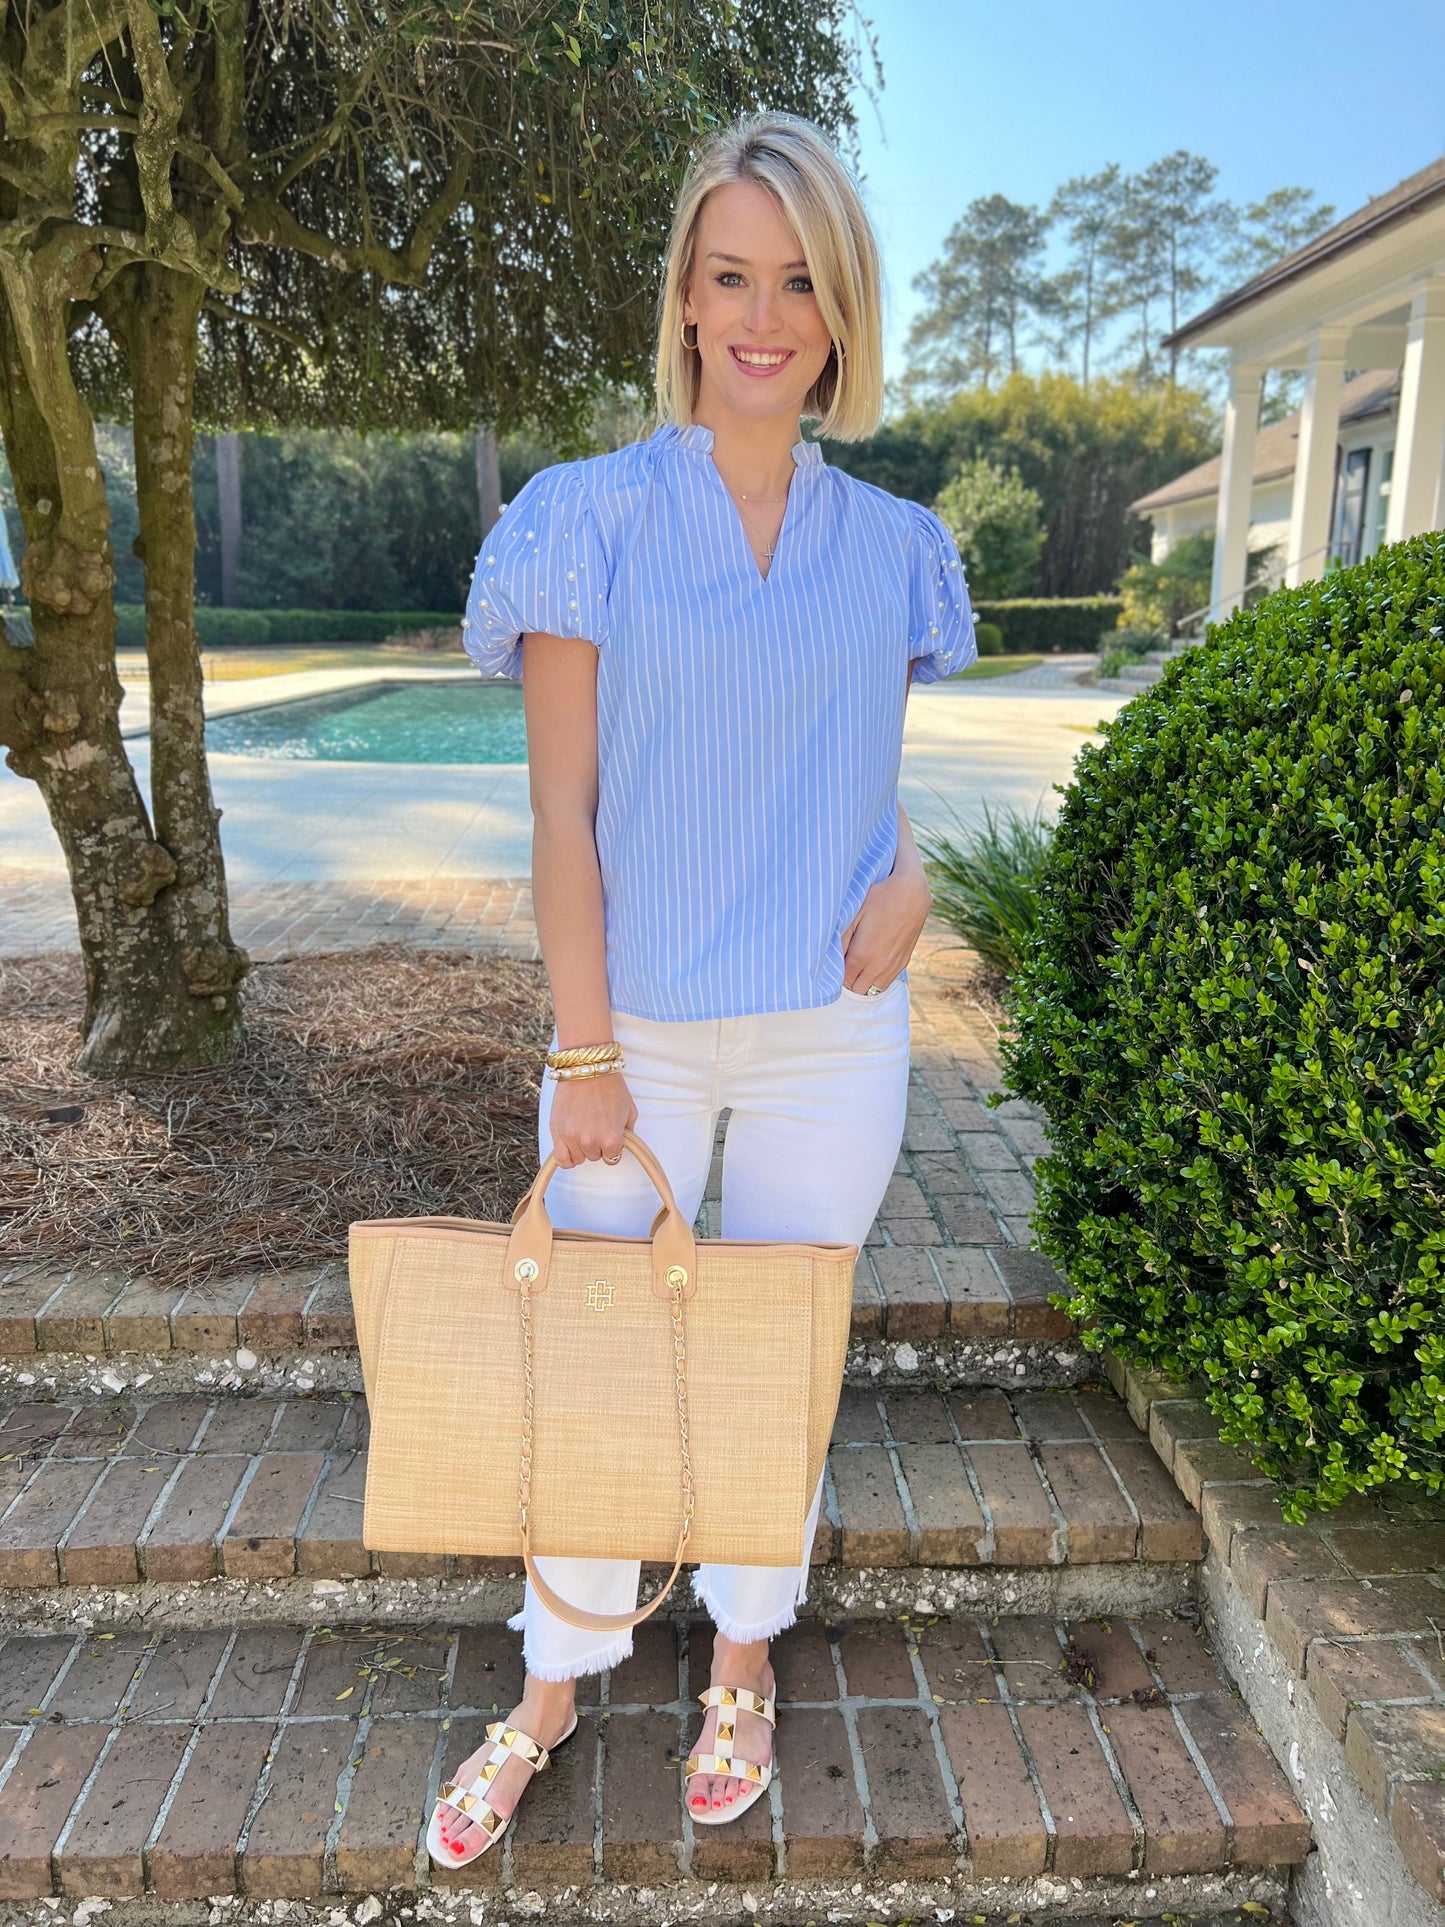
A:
1036	626
221	628
1233	1014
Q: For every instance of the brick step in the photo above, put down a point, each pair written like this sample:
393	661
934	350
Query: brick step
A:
1033	1764
972	1312
1032	1499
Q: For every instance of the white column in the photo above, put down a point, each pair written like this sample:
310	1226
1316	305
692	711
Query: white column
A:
1416	481
1314	470
1236	484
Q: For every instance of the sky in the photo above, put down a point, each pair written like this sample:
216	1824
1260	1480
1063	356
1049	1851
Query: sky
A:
1016	96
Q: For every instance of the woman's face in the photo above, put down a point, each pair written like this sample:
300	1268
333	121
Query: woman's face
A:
760	336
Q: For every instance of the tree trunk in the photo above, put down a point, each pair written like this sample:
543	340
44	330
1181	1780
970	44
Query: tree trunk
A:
163	344
147	1006
228	501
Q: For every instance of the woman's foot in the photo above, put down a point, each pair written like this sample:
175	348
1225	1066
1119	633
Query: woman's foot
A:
545	1714
736	1666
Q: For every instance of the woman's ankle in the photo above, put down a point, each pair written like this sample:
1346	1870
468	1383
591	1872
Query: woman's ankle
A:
549	1702
740	1661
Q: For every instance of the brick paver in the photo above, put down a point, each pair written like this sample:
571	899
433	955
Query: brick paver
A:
1353	1601
114	1492
274	920
298	1765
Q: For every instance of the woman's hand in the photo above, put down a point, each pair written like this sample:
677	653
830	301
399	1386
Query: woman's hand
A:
879	941
588	1117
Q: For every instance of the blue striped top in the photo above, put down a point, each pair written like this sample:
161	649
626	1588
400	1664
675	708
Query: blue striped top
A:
749	728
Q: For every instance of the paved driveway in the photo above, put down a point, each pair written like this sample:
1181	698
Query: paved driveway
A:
965	743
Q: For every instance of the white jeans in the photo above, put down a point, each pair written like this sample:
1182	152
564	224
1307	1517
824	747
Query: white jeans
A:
817	1100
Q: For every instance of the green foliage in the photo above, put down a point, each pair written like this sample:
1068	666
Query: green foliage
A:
985	883
1126	645
977	297
230	628
1234	1015
1156	595
988	638
994	518
1042	626
1087	452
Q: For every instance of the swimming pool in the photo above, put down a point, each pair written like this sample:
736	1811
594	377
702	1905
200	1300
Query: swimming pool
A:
383	722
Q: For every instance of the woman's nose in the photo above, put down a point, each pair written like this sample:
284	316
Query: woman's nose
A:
761	312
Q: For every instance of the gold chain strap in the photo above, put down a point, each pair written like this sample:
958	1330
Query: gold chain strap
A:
679	1355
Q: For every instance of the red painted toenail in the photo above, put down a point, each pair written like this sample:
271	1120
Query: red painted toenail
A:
456	1846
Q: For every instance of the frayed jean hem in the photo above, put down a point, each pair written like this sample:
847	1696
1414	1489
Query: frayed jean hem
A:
598	1662
741	1633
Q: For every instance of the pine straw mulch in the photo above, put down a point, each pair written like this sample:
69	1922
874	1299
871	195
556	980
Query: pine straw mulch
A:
387	1082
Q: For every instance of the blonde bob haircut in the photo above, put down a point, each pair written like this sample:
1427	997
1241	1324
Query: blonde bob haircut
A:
799	166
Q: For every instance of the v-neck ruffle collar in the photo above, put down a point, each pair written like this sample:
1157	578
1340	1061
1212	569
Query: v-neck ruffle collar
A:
699	439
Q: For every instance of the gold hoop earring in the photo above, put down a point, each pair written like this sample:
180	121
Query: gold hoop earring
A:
682	335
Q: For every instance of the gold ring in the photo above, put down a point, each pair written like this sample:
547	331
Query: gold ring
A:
874	991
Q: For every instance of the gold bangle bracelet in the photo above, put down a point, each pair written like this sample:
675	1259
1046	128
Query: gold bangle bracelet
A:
585	1054
585	1070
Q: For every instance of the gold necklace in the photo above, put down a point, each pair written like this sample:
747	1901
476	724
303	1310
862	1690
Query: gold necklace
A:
739	496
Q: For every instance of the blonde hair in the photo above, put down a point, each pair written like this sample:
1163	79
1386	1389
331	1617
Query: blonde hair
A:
799	166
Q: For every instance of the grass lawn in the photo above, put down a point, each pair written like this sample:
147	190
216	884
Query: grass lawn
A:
997	666
232	665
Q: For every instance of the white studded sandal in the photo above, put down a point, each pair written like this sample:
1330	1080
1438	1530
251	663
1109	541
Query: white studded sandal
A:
471	1802
724	1764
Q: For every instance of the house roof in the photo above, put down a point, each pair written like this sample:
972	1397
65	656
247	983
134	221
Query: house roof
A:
1409	198
1275	446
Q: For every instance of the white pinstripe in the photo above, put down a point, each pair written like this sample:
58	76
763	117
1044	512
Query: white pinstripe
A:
749	729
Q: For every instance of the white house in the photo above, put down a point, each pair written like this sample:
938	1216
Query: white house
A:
1361	309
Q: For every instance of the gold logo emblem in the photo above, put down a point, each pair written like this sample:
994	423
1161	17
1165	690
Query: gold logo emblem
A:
599	1295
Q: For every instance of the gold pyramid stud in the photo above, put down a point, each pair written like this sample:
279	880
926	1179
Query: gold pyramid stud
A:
494	1729
491	1769
448	1790
490	1821
724	1735
754	1772
729	1697
467	1802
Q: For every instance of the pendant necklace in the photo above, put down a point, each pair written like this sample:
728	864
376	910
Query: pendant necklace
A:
739	496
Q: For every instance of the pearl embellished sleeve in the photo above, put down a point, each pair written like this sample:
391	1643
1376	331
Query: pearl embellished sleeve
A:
542	568
940	615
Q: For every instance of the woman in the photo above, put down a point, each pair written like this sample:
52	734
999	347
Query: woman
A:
715	631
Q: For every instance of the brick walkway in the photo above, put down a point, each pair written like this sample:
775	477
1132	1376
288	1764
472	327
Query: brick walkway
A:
121	1491
280	1762
289	919
1353	1604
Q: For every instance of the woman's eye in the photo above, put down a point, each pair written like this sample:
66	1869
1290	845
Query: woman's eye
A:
801	281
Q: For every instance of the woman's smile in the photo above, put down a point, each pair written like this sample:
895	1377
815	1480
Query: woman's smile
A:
759	363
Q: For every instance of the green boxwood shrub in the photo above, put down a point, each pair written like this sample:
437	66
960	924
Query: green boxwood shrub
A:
1233	1013
1039	625
989	638
248	628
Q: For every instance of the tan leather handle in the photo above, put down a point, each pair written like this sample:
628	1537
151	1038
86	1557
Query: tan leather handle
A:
596	1622
673	1244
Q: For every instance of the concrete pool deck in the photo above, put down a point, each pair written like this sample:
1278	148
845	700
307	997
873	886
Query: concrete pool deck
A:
966	743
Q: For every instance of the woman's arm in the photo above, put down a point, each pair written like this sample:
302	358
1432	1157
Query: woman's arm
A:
559	697
881	938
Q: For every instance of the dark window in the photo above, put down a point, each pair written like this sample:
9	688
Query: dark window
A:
1351	488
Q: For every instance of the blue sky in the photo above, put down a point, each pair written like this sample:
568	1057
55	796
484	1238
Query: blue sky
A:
1015	98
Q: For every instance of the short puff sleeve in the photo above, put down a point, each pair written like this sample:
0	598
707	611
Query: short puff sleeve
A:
542	567
940	616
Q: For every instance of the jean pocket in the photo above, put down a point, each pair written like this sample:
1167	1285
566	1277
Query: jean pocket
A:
862	997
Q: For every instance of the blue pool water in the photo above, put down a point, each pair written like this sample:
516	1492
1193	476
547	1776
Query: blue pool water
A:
383	722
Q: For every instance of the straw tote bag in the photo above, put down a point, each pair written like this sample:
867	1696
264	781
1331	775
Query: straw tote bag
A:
660	1398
